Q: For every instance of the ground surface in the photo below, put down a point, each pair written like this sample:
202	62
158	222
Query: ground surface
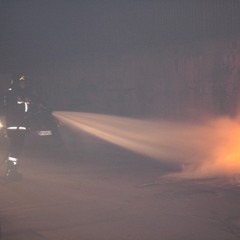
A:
116	195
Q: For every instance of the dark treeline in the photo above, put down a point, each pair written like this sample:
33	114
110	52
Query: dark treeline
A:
194	78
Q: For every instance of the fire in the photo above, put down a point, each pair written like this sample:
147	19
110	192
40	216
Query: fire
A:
223	156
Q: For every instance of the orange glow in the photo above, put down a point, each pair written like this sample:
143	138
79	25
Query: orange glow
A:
224	159
203	150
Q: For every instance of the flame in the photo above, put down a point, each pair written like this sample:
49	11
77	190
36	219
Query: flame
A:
226	153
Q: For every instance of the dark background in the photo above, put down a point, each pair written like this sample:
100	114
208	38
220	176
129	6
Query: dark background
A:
81	55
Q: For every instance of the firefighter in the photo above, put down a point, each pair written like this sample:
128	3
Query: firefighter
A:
16	103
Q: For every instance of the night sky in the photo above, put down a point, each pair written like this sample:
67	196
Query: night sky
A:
48	39
39	36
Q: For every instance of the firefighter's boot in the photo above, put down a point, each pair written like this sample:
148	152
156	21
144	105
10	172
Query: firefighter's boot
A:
12	170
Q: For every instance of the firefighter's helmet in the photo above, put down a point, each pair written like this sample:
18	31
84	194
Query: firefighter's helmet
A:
22	78
18	82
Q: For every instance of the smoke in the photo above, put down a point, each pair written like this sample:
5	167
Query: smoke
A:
208	149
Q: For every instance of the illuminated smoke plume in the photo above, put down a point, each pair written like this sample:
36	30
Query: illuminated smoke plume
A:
203	150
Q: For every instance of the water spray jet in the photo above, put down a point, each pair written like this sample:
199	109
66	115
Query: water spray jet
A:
203	150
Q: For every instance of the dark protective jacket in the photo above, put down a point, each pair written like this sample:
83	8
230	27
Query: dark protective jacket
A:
16	103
